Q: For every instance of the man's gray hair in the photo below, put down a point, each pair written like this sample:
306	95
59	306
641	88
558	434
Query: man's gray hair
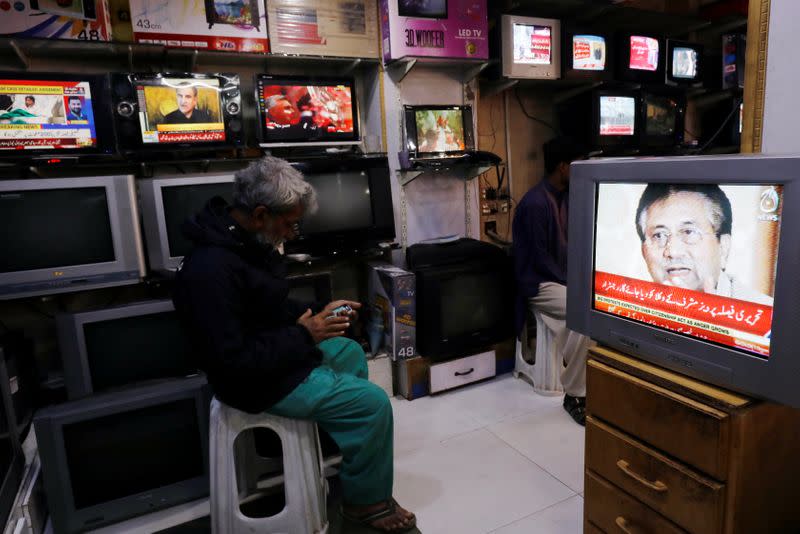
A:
273	183
187	84
274	99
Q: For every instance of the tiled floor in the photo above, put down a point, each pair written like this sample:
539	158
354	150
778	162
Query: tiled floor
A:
493	457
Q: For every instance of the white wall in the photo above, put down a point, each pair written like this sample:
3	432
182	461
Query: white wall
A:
781	107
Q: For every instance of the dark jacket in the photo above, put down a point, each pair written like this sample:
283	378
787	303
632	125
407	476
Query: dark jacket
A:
231	294
539	253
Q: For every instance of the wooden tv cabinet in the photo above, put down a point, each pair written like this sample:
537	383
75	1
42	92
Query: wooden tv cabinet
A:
667	453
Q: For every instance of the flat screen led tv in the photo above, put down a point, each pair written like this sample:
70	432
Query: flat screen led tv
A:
438	131
114	456
691	263
531	47
52	114
177	111
303	111
166	203
111	348
68	234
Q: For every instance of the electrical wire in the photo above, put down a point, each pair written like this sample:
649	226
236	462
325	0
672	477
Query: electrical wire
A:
531	117
719	130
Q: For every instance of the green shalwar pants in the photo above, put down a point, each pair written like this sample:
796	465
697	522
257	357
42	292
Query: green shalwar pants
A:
355	412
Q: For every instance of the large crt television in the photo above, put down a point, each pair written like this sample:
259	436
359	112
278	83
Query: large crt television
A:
166	203
306	111
164	112
587	55
531	47
114	456
54	114
465	297
438	131
111	348
68	234
640	57
691	263
355	207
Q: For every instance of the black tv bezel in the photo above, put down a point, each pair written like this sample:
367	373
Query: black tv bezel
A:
623	59
320	282
616	141
569	73
433	17
410	119
382	228
662	141
229	83
49	424
350	139
685	82
11	480
101	109
430	340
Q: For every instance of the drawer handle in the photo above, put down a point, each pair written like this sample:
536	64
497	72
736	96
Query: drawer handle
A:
624	526
625	467
465	373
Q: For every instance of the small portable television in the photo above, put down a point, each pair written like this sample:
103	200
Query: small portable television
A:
640	57
684	63
46	115
177	111
114	456
167	202
114	348
304	111
690	263
236	12
434	132
663	114
607	119
586	55
531	47
96	244
357	212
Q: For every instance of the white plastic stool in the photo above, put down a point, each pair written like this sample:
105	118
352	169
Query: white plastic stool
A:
305	485
545	372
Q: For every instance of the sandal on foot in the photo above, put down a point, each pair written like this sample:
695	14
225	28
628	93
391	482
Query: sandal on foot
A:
389	509
576	408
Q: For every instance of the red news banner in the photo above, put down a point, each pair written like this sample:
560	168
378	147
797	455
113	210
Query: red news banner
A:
731	322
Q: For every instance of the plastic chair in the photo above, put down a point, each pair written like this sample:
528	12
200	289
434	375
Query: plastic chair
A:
545	371
235	468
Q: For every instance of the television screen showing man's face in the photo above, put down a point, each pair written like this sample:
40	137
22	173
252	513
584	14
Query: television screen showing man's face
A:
698	259
187	99
75	106
681	246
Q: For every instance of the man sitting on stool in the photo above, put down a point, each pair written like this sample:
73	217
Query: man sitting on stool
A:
540	256
263	351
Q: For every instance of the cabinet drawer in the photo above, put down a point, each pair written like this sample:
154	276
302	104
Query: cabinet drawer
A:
690	431
590	528
613	510
694	502
462	371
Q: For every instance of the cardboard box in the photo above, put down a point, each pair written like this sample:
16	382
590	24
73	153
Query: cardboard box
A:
412	378
346	28
81	21
445	28
206	25
392	294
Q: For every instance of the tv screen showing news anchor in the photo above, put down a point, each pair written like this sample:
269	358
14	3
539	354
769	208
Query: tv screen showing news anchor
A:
697	259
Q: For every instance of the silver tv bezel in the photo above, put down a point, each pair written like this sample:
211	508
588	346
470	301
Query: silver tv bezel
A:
123	213
773	378
534	72
154	222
